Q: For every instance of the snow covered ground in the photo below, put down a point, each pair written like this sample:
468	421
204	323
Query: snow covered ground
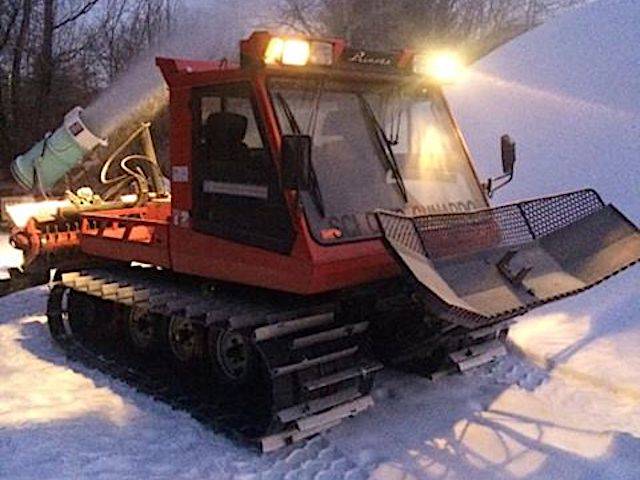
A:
565	403
577	416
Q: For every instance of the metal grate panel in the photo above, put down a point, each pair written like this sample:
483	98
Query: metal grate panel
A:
510	225
547	215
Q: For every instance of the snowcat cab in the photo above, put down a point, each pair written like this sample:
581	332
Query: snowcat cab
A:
293	153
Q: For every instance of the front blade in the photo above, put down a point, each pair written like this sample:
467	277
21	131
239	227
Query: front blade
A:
474	269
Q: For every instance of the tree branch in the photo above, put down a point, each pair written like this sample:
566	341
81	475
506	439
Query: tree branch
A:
86	8
12	21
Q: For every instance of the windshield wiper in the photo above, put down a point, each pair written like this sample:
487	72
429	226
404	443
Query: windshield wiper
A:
293	123
385	145
314	190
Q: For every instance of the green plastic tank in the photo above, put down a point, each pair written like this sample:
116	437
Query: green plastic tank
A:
51	158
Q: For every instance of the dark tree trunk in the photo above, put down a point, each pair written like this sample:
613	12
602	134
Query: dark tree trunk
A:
16	67
45	62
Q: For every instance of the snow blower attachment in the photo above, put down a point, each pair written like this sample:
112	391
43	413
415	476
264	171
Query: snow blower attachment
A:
51	158
476	269
47	231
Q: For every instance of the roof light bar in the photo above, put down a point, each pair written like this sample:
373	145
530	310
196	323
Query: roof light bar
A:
274	51
298	52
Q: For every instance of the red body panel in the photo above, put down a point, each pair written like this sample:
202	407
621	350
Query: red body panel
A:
310	268
131	234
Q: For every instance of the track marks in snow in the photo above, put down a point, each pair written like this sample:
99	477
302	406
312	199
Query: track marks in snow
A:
514	370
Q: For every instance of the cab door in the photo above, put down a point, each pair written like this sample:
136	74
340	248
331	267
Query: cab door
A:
236	191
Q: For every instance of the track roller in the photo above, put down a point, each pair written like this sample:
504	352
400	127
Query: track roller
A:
231	356
186	340
143	329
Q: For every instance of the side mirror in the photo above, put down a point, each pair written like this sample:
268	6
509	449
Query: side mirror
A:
508	150
296	161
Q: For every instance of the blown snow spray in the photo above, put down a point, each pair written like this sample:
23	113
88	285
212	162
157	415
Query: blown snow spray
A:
57	153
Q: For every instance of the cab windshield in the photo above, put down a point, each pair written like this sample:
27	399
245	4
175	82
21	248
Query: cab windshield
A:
376	147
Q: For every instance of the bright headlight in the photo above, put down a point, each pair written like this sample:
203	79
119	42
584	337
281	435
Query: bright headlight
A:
298	52
443	67
287	52
274	51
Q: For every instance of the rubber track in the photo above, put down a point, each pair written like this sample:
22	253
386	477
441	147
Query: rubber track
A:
318	365
112	363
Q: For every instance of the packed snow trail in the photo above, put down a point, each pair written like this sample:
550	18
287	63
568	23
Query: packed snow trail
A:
61	420
577	418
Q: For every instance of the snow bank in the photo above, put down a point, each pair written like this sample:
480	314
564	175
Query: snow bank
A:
569	94
9	256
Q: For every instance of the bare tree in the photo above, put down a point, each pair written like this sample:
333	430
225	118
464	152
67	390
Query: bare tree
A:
45	62
55	54
74	15
9	12
18	54
123	28
478	25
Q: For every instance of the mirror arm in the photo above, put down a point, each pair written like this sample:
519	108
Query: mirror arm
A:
508	150
491	187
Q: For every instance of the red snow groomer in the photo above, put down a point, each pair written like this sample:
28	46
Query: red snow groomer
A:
324	218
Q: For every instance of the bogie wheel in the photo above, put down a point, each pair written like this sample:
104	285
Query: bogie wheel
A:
143	330
231	356
185	340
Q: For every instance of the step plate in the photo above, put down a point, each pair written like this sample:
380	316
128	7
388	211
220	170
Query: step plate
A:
478	355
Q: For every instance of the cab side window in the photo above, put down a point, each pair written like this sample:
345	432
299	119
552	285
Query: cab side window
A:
235	186
232	149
